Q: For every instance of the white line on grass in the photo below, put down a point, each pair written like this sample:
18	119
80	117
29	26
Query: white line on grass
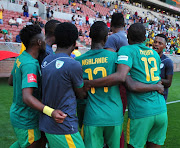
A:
173	102
166	103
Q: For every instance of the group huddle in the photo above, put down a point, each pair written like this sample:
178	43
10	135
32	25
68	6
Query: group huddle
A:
65	90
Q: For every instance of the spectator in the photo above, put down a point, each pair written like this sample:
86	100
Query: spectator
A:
75	53
136	14
35	15
12	21
107	16
19	20
18	39
52	13
80	32
47	13
80	21
87	20
108	25
78	9
1	14
73	10
41	24
4	31
127	18
86	34
36	5
73	20
25	10
36	21
8	37
30	22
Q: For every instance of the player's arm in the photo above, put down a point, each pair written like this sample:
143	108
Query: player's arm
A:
29	83
136	86
169	75
31	101
10	80
167	82
76	75
114	79
81	93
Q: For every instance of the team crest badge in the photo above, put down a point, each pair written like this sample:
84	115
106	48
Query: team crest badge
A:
59	64
161	65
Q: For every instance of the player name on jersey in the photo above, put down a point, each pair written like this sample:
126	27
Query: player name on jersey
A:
146	52
95	61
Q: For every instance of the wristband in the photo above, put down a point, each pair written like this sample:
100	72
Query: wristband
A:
48	111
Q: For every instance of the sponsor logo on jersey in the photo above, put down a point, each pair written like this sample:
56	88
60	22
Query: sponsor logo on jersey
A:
32	78
122	58
59	64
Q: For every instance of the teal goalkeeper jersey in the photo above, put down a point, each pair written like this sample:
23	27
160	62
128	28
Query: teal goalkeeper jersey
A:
104	105
145	67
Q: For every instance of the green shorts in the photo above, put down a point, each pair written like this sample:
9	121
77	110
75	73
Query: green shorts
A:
94	136
26	137
65	141
152	129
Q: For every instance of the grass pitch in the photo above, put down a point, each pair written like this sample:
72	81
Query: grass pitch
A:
7	136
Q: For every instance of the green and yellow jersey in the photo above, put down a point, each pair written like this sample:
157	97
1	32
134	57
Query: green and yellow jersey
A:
26	73
104	105
145	67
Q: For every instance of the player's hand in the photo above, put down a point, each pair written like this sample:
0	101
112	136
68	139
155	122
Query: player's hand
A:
86	85
160	88
58	116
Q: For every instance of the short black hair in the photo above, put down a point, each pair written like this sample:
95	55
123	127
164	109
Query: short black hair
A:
50	26
162	36
117	20
98	31
136	33
28	32
66	34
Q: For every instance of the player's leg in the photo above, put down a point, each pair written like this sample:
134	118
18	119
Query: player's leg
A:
27	138
80	111
15	145
124	102
157	135
152	145
112	135
93	136
138	130
65	141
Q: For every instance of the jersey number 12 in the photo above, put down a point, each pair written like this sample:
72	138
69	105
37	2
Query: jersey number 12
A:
152	70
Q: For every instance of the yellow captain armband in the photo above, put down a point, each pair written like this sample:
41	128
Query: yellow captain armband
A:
47	110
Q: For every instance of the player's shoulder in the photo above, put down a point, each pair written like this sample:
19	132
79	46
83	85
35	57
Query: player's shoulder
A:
128	48
166	59
26	59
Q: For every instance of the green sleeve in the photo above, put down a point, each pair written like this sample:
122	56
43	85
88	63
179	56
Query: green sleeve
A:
29	75
125	56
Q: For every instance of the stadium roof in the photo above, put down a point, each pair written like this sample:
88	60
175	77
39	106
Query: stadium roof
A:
162	5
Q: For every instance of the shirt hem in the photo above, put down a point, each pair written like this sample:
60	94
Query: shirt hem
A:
148	115
56	133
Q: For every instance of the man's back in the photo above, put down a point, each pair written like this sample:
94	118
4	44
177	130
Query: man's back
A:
104	106
116	41
145	67
60	74
26	73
